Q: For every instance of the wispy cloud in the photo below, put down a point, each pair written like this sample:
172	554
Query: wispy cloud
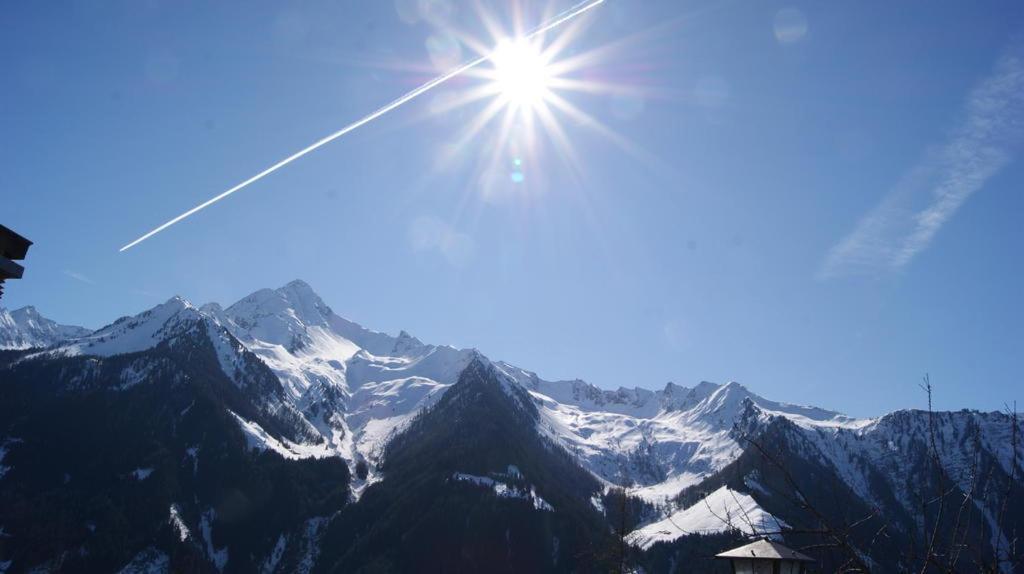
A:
431	234
79	277
931	192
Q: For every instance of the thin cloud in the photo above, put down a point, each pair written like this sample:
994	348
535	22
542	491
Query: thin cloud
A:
928	195
431	234
79	277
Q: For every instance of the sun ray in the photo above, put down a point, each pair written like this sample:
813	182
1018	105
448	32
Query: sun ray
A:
479	123
588	121
560	42
595	87
462	99
561	140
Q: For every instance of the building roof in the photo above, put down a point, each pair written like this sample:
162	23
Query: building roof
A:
10	269
12	245
765	549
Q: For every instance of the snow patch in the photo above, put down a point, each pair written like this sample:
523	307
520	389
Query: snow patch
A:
229	353
218	557
311	544
5	449
3	453
136	373
270	564
149	561
752	481
178	523
259	439
192	453
504	490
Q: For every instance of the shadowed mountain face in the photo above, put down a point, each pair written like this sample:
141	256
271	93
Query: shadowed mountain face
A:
274	435
139	458
470	486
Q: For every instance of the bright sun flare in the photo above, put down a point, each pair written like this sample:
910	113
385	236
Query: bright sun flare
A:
521	74
522	94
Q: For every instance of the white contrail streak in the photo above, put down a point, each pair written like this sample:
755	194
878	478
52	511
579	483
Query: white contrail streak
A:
556	21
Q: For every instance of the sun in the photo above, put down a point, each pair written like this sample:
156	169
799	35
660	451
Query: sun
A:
522	120
521	76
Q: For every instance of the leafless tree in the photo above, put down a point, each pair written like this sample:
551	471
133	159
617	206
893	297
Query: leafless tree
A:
832	536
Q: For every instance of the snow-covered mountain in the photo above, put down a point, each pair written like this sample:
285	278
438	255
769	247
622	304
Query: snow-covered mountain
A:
25	328
356	387
656	443
305	383
352	387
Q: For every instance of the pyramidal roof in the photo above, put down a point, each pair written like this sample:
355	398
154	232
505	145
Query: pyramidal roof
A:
766	550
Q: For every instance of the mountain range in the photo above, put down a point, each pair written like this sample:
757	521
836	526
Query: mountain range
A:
274	435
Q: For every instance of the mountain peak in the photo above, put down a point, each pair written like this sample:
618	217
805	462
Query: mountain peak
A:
479	370
27	313
177	302
706	386
296	299
733	386
298	285
212	308
406	344
26	327
299	290
137	333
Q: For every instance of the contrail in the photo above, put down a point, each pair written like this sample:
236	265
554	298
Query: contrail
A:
554	22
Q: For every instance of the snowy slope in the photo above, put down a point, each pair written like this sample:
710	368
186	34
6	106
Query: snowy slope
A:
656	443
357	387
139	333
885	462
25	328
720	511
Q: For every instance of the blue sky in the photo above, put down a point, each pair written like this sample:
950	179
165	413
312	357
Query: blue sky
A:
819	200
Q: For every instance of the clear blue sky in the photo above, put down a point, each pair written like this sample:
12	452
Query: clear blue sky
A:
819	200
